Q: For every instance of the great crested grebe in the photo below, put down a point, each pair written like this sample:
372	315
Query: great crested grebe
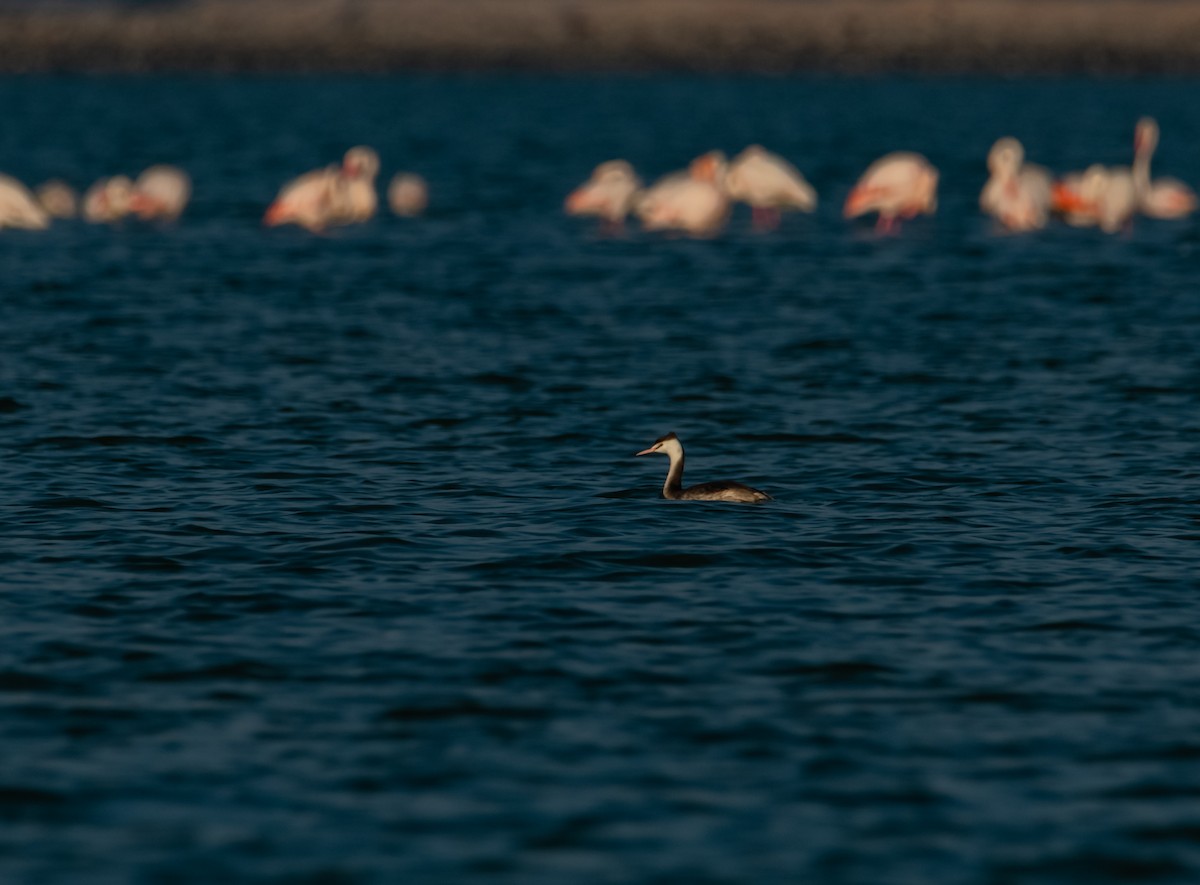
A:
721	490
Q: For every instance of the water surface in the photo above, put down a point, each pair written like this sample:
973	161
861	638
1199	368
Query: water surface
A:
326	559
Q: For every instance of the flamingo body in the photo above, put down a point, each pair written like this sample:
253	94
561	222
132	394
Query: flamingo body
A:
18	208
1099	196
58	199
693	201
898	185
1158	198
408	194
1018	193
609	194
331	196
355	198
769	184
161	193
107	200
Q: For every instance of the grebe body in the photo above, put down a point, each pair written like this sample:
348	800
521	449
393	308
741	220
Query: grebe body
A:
721	490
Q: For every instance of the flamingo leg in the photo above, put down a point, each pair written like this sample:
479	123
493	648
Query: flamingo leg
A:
765	218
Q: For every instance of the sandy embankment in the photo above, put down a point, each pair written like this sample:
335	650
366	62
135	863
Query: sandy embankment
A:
1005	36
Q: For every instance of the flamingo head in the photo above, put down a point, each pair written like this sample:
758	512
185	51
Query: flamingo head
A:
858	201
276	214
360	162
1006	155
1145	135
581	201
117	196
709	167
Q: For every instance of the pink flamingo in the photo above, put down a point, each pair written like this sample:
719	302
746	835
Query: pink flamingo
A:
1099	196
769	184
18	208
408	194
107	200
1162	197
693	201
330	196
1018	193
160	193
609	194
58	199
898	185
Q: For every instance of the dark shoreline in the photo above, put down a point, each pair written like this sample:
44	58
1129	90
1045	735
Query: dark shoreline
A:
768	36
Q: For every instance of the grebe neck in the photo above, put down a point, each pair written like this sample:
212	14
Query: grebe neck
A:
673	487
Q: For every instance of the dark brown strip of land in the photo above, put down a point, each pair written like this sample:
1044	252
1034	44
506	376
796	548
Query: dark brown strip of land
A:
919	36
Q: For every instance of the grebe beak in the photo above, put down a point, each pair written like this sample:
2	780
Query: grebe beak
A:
649	451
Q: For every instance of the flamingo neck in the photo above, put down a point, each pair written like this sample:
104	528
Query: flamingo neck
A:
1141	166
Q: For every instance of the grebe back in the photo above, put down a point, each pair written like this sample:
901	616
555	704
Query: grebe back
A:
721	490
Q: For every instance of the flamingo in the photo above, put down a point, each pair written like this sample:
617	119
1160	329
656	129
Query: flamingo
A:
408	194
107	200
1100	195
160	193
693	201
769	184
1018	193
304	201
1065	199
1163	197
898	185
18	208
331	196
356	200
610	193
58	199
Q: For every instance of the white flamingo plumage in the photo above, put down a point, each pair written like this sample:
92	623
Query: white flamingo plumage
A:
899	185
160	193
331	196
58	198
693	202
769	184
18	208
1161	197
1103	196
107	200
609	194
408	194
1018	193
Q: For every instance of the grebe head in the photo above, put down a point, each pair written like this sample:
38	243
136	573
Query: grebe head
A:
667	445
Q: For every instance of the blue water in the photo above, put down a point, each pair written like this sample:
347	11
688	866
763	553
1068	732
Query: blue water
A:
326	559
